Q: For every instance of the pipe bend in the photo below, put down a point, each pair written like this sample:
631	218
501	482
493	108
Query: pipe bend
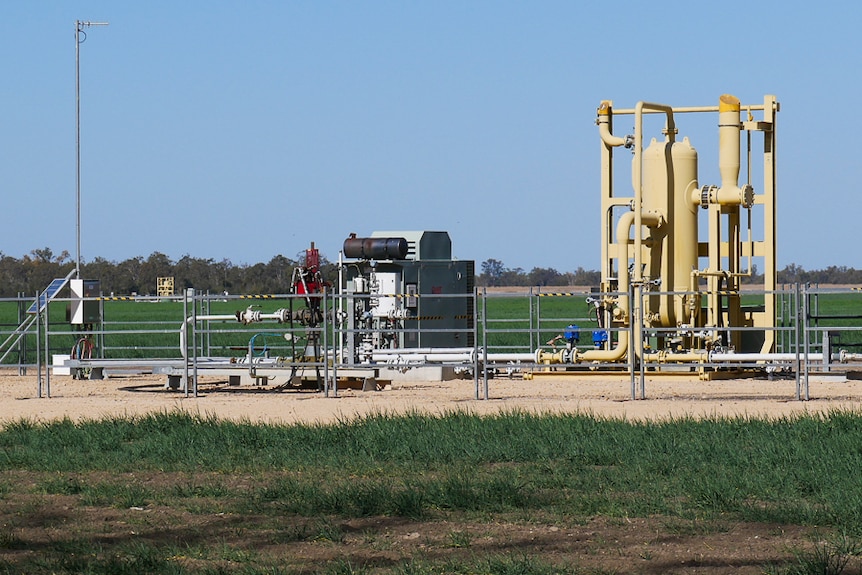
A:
603	121
609	139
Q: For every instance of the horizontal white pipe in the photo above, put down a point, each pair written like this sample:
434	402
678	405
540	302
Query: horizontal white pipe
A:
424	358
231	317
442	356
519	357
429	350
738	357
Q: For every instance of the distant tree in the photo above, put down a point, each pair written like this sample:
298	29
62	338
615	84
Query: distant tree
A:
254	279
198	273
582	277
492	272
754	278
12	277
42	255
156	266
106	272
279	272
544	277
792	273
129	278
514	277
223	270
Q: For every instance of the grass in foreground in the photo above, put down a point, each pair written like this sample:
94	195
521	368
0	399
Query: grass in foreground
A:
178	493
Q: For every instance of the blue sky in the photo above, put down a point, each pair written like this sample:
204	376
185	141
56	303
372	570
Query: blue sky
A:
243	130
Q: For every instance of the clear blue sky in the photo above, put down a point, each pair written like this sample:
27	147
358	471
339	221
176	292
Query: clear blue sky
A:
243	130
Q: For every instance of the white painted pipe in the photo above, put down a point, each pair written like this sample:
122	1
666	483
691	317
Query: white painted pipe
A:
424	358
516	357
190	319
441	355
428	350
753	357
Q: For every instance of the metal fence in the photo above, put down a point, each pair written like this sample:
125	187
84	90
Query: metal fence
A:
818	330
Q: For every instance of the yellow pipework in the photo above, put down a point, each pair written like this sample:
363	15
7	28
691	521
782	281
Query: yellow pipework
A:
604	122
637	174
728	140
618	352
729	127
624	227
659	239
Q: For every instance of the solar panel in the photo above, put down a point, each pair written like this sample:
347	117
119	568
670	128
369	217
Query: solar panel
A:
47	295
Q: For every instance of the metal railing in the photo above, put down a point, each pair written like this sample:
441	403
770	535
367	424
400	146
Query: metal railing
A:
506	335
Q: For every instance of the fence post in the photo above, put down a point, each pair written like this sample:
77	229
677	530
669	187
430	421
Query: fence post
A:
796	337
47	348
806	313
485	342
325	328
39	347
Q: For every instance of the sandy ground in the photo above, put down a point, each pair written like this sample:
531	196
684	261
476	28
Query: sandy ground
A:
602	396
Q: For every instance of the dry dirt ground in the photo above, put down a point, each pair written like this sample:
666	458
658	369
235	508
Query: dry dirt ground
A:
628	545
603	396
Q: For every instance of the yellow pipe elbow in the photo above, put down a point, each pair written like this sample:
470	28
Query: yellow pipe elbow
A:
728	103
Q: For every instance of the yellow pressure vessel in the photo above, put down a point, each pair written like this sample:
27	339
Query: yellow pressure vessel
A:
669	177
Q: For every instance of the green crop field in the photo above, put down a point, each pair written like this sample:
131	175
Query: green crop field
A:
175	493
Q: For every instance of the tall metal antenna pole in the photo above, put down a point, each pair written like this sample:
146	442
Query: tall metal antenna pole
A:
79	31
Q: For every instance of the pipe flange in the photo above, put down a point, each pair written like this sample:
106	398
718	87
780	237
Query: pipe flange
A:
747	196
706	196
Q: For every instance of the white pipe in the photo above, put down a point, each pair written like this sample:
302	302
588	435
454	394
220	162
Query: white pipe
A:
441	355
518	357
278	315
752	357
427	350
424	358
199	318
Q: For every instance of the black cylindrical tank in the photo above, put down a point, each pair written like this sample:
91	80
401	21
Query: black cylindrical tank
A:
375	248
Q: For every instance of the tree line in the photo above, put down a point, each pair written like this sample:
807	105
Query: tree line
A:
495	273
33	272
139	276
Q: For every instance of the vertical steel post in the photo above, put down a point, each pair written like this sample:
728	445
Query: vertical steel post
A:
186	340
194	346
640	330
475	343
475	297
530	316
101	336
485	343
79	29
38	346
806	312
326	347
631	350
796	336
47	350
